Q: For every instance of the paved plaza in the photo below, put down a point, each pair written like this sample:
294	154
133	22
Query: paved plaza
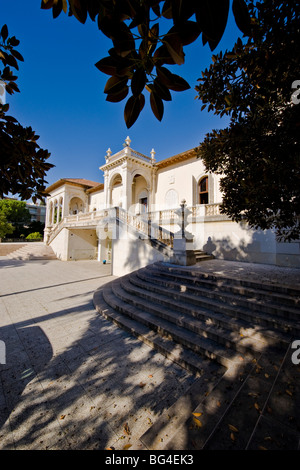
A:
73	380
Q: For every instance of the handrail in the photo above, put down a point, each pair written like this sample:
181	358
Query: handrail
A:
146	227
150	225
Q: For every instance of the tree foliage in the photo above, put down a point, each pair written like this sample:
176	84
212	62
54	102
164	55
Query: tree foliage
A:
259	153
142	49
15	212
23	164
5	227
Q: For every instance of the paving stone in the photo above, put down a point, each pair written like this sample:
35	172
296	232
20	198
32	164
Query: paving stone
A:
73	379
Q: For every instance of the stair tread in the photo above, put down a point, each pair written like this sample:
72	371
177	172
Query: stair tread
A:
175	324
224	283
195	275
191	339
217	306
242	335
172	350
197	291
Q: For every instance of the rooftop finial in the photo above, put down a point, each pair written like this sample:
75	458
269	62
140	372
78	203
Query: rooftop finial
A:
127	141
152	153
108	154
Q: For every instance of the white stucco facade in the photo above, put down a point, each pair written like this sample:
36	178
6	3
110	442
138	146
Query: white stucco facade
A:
148	195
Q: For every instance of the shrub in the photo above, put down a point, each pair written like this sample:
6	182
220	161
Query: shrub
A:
34	236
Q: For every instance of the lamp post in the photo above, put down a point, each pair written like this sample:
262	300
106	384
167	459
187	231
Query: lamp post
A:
182	205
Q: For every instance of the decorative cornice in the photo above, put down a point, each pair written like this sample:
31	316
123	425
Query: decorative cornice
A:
188	154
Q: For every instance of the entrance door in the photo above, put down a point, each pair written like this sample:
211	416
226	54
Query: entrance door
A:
144	204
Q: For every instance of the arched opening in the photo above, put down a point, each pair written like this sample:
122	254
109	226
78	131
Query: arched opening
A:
140	196
50	215
60	209
203	190
116	191
171	199
76	205
55	212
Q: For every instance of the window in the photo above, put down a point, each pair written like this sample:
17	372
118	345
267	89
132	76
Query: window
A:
171	199
203	190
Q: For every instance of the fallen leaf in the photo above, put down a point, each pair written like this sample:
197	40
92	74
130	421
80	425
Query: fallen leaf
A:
142	384
262	448
126	429
289	393
233	428
62	417
150	376
109	448
218	403
197	422
232	437
267	376
197	414
127	446
256	406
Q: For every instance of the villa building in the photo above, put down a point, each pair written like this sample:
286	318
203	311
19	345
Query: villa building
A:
148	210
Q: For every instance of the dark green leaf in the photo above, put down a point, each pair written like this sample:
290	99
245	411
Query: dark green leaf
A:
212	17
79	10
17	55
157	106
10	60
167	10
47	4
241	15
138	81
117	97
172	81
13	41
57	9
174	46
107	65
161	90
132	109
162	56
4	32
115	85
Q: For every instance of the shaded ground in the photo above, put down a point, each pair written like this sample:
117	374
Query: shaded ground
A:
73	380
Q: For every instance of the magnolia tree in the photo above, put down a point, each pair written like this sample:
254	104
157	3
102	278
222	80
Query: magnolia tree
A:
23	164
257	84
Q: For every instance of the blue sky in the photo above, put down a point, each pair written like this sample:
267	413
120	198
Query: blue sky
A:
62	95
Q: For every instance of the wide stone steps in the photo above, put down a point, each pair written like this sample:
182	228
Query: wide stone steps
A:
236	412
202	256
187	317
33	251
112	309
276	292
274	311
233	334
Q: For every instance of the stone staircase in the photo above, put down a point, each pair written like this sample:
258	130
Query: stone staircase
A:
234	335
32	251
202	256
